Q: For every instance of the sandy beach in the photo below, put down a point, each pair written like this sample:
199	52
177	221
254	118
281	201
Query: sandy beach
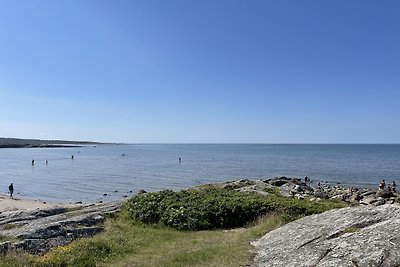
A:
17	203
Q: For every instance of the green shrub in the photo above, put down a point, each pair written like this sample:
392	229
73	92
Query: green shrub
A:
213	208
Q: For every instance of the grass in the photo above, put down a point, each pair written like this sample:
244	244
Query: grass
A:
128	243
351	229
4	238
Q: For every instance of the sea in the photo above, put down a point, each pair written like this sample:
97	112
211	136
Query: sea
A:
111	172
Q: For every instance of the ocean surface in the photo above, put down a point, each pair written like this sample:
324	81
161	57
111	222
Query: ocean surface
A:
122	170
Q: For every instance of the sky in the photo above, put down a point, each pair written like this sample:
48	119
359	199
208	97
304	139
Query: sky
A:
209	71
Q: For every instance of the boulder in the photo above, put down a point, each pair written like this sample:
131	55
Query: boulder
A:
367	193
238	184
355	197
384	193
278	181
369	200
354	236
321	194
380	201
286	190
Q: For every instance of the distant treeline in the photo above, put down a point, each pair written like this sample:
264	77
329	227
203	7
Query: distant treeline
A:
16	143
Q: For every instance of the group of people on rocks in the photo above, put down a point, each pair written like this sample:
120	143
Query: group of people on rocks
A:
390	187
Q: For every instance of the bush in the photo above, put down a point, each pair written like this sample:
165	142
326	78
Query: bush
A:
214	208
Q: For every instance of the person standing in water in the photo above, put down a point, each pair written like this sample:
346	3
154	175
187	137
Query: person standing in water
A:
11	189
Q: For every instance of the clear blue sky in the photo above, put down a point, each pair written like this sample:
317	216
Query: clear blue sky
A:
206	71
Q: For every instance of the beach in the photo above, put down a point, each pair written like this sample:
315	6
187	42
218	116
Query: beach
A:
24	204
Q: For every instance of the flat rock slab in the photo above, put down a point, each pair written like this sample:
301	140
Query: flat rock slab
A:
37	231
354	236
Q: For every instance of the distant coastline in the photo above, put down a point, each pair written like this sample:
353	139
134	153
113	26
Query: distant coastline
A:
37	143
36	146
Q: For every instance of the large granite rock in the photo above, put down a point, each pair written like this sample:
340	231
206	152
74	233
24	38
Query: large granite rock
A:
354	236
38	231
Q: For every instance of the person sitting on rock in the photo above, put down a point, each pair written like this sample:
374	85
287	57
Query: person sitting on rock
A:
394	187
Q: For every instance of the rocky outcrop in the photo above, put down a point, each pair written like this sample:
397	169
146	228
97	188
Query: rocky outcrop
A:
354	236
38	231
294	187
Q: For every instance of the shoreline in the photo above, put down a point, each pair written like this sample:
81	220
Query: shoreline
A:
26	204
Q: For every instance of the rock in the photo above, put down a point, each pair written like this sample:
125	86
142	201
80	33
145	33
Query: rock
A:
368	193
286	190
278	182
379	201
354	236
282	178
341	197
297	189
141	191
4	247
321	195
258	187
369	200
384	193
238	184
355	198
39	230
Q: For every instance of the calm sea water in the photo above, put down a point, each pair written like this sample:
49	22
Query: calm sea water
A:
95	171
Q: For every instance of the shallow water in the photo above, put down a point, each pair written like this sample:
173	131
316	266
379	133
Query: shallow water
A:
95	171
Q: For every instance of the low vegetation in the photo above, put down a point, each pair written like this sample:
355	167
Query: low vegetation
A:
168	229
213	208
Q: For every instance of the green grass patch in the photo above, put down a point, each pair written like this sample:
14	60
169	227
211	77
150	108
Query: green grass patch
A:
4	238
127	243
351	229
